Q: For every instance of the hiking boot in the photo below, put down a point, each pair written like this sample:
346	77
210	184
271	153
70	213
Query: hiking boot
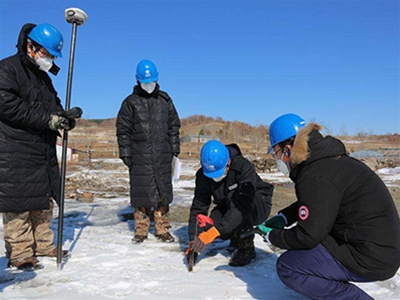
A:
231	247
234	243
27	264
165	238
242	257
245	253
65	254
138	239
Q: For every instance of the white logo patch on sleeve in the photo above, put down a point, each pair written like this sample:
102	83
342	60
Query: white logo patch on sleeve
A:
303	212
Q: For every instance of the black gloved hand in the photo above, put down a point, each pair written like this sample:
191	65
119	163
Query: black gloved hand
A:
127	161
71	114
58	122
65	119
72	124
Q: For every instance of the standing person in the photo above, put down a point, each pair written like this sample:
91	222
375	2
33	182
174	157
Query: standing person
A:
343	213
30	117
242	200
148	138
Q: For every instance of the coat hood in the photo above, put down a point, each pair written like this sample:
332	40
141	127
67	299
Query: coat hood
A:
23	36
234	150
310	145
21	46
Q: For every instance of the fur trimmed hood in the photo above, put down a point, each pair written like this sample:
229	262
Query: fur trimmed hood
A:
310	145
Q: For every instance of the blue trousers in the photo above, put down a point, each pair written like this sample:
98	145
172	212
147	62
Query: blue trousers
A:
315	273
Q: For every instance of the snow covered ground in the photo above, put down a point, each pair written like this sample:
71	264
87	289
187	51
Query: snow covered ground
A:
106	265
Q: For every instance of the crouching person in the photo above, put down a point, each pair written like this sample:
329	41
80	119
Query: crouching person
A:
229	181
30	117
347	224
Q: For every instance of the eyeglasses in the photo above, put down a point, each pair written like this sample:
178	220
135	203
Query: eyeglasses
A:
274	154
45	53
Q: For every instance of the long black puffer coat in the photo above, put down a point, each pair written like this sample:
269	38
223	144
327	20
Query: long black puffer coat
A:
29	173
148	132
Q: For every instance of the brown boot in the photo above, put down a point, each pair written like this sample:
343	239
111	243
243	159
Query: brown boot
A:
26	264
165	238
138	239
162	224
65	254
142	224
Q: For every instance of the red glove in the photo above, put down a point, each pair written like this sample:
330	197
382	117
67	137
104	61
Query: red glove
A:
205	238
204	220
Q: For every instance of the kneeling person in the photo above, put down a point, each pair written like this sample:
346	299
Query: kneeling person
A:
241	198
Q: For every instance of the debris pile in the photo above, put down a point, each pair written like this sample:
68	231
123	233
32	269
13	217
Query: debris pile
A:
263	165
85	185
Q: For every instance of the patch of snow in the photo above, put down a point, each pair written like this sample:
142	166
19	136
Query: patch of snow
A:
106	265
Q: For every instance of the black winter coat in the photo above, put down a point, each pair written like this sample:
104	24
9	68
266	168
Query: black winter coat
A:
342	204
148	132
29	173
236	192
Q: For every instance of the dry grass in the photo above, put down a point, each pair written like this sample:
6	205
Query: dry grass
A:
283	196
100	139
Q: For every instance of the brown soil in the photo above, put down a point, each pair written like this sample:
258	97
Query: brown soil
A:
283	196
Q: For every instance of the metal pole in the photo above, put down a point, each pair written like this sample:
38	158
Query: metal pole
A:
64	149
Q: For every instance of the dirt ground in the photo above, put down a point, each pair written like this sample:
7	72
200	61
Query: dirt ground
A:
283	196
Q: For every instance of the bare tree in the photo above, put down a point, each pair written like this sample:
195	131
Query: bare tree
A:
343	130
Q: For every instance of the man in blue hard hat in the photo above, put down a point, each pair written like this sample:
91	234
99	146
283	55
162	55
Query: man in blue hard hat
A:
30	117
242	199
148	139
342	216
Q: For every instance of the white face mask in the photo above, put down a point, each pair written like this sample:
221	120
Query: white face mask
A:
282	166
220	178
44	63
149	87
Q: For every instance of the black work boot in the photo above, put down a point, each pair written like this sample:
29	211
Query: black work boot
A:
245	253
234	243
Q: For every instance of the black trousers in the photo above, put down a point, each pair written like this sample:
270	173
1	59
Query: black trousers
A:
258	212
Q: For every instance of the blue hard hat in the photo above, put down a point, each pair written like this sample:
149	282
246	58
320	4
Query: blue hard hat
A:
48	37
283	128
214	157
146	71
